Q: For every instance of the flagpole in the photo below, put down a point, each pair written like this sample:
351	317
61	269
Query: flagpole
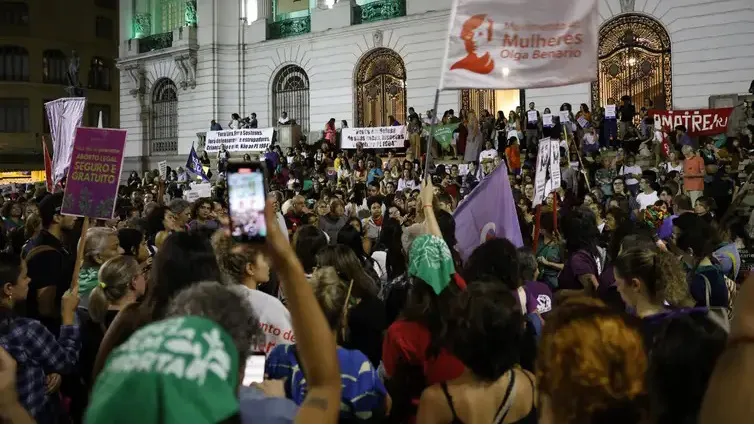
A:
433	125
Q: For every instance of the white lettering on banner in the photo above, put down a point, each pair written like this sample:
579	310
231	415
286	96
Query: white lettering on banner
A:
610	111
507	44
555	163
547	120
694	121
374	137
246	139
540	176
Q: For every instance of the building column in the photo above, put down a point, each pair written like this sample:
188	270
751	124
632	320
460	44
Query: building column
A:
264	10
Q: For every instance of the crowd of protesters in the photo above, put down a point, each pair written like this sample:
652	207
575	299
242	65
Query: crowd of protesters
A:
618	306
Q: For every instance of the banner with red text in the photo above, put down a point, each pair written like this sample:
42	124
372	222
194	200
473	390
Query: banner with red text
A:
516	44
698	122
92	184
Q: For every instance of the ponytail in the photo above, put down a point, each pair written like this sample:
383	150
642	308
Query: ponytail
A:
115	278
659	271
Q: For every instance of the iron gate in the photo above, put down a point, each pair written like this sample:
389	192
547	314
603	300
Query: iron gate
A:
478	100
380	89
290	94
634	60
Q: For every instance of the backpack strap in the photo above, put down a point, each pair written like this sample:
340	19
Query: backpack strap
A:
707	289
38	250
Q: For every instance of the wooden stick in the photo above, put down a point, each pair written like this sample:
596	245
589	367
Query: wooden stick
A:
79	256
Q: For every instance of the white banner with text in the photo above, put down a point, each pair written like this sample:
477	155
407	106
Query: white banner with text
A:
241	140
374	137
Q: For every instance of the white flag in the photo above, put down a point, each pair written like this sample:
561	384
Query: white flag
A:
64	116
516	44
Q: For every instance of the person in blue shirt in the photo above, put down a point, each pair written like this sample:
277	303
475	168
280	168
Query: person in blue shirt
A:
375	172
363	396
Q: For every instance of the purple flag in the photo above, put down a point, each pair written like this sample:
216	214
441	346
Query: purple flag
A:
488	212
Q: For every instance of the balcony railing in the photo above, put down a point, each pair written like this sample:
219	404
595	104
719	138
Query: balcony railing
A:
290	27
380	10
155	42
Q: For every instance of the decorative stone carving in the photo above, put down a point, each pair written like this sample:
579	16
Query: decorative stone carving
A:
377	37
187	65
142	25
627	6
136	75
190	14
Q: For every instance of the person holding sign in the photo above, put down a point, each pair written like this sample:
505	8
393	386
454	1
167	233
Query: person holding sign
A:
533	128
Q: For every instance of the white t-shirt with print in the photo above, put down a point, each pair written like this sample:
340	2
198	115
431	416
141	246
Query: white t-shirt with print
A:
274	320
645	200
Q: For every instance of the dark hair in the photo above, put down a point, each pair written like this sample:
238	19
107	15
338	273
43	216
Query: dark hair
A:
708	202
681	361
198	204
130	240
484	309
348	266
659	271
447	225
497	259
683	202
351	237
433	311
183	260
390	239
697	234
308	241
579	228
527	264
10	270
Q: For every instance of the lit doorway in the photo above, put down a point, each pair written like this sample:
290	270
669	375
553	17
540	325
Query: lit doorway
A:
492	100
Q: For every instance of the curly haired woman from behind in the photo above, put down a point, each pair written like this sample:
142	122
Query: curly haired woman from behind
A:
590	366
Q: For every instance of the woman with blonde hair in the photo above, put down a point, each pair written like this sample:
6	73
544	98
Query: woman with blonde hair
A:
475	139
363	395
591	366
100	245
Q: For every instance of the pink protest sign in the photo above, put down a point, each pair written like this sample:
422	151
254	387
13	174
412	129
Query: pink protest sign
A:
93	176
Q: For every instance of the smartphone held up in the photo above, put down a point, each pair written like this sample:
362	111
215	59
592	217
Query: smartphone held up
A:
247	196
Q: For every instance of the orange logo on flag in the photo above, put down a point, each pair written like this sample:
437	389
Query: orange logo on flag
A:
476	29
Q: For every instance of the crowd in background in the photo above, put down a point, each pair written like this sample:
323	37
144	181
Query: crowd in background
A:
617	307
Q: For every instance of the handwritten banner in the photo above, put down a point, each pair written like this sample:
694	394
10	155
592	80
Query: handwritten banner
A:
698	122
93	176
246	139
374	137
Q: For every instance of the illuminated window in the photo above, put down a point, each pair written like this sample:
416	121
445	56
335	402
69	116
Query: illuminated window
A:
172	15
54	67
164	116
99	74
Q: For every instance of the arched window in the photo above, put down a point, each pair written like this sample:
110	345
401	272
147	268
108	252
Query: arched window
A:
380	88
634	60
14	63
54	67
164	116
99	74
290	94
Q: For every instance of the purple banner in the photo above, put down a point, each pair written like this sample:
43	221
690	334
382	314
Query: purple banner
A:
92	182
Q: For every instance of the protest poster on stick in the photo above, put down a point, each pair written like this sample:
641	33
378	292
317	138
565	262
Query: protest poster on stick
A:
93	176
540	175
241	140
374	137
162	166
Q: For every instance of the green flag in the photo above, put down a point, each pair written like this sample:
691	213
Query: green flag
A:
443	133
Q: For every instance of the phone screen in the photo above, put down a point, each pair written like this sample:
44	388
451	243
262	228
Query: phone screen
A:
246	198
254	371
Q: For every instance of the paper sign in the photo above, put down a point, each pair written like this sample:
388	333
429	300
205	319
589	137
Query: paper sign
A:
564	116
241	140
555	163
547	120
163	167
610	111
92	183
374	137
532	116
540	176
583	122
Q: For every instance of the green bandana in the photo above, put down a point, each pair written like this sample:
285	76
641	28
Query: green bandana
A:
430	260
179	370
443	133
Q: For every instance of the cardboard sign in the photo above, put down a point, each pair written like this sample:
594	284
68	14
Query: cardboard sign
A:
92	183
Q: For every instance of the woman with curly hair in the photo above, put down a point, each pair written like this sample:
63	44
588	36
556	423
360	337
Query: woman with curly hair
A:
591	366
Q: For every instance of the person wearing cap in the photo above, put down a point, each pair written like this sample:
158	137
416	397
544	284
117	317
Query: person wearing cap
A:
50	263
